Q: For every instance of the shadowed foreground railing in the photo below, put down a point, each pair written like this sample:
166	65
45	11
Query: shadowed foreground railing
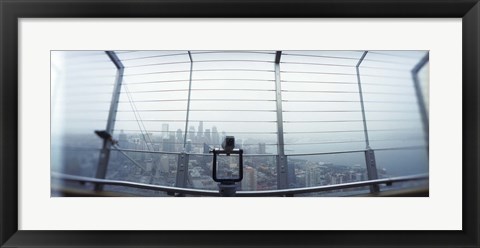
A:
201	192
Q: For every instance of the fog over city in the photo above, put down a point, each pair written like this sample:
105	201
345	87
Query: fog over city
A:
235	93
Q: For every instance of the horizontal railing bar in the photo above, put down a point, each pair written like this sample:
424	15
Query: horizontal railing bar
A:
230	51
343	74
232	60
319	101
348	92
322	143
159	131
242	121
396	120
248	155
326	73
350	66
315	121
250	80
127	51
154	64
194	154
184	90
232	100
196	110
322	153
156	100
315	82
234	79
278	192
208	100
226	69
320	64
390	85
321	91
318	56
355	151
155	56
296	191
405	69
156	72
156	82
321	111
386	62
81	179
76	148
395	55
347	141
351	111
314	100
351	131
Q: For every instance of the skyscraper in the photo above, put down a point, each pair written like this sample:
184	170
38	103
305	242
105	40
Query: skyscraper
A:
188	146
191	133
165	130
215	136
200	132
249	181
206	137
313	175
179	136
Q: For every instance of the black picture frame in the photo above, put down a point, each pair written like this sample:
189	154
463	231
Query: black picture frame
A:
12	10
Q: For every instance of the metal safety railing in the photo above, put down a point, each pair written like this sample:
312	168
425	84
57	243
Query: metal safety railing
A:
176	191
278	83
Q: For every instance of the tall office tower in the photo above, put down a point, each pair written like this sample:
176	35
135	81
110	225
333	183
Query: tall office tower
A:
262	148
165	130
171	142
249	181
179	136
206	137
200	132
188	146
313	175
191	133
215	136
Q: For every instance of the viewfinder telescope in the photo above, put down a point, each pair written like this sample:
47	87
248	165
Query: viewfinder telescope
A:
226	184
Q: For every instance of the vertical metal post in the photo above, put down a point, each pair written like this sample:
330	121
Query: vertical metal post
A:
369	153
105	152
183	158
188	100
282	170
420	98
360	92
182	170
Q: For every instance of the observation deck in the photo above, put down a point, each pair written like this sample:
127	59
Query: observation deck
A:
311	123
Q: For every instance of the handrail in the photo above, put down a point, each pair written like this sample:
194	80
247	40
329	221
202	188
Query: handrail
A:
273	155
201	192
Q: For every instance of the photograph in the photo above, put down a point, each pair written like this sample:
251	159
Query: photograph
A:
233	123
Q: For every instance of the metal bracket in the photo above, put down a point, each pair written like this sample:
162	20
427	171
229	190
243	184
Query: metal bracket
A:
371	169
182	170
